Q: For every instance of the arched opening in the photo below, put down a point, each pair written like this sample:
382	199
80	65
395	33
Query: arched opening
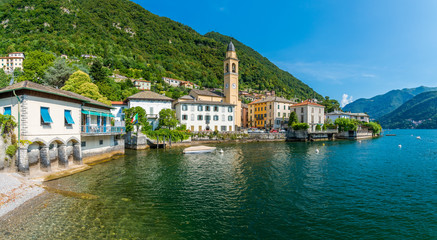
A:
227	67
74	150
37	153
234	68
58	151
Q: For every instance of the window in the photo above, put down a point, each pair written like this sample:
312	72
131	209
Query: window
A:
320	110
278	106
215	118
223	118
68	118
279	114
223	128
312	118
200	108
200	117
207	118
45	116
216	108
192	117
284	114
7	111
227	67
192	108
320	119
184	107
301	118
207	108
284	107
83	144
100	142
151	110
229	118
229	109
312	110
265	108
301	110
234	68
270	106
184	117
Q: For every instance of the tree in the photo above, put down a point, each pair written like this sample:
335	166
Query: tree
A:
167	119
80	82
57	74
142	119
292	119
4	79
330	104
97	72
35	65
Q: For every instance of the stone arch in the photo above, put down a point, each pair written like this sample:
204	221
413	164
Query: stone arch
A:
38	151
227	68
74	149
60	153
234	68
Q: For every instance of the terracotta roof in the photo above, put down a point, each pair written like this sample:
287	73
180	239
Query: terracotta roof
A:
118	103
205	102
149	95
41	88
140	80
256	101
306	102
204	93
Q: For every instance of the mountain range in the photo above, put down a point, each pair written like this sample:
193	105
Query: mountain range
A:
381	105
126	36
418	112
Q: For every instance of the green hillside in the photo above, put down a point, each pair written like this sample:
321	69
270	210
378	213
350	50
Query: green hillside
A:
419	112
127	37
380	105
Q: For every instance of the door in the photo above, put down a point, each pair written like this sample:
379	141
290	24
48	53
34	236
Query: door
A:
104	124
192	128
98	124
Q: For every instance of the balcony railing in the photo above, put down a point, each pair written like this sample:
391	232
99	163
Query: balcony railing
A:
102	130
152	115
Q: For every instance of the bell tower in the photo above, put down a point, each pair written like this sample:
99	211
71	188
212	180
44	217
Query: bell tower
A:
231	81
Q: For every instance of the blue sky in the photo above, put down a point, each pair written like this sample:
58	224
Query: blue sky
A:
341	48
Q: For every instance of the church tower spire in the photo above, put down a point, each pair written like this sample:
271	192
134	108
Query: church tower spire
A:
231	81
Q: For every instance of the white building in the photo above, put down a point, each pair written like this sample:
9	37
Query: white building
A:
63	127
176	83
12	61
363	117
309	112
117	111
206	115
142	84
152	102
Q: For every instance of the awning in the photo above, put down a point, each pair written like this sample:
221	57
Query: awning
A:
97	113
7	111
68	118
46	115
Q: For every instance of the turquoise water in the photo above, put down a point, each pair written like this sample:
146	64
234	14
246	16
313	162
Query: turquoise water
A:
348	190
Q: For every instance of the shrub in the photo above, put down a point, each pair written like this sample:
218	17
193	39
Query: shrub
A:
11	150
300	126
318	127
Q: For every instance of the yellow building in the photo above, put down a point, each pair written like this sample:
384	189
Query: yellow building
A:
257	113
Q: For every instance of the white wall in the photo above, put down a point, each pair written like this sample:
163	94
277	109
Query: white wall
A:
151	107
118	112
194	124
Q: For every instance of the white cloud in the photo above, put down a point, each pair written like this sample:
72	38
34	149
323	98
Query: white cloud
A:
346	99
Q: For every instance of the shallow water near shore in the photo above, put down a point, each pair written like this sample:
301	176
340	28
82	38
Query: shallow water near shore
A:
272	190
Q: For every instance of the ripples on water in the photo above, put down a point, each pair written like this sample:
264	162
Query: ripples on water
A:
349	190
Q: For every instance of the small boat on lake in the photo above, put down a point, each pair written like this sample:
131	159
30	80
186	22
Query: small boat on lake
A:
199	149
390	134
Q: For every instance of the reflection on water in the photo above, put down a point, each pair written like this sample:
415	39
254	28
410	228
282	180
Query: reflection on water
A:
346	189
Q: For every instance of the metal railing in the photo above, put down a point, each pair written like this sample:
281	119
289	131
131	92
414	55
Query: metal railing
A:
94	129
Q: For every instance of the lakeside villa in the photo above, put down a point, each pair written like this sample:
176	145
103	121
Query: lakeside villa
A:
63	127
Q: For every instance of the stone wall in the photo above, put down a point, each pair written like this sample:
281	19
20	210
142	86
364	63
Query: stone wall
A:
97	154
7	163
209	136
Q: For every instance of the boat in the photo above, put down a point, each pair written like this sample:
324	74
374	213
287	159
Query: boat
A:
199	149
390	134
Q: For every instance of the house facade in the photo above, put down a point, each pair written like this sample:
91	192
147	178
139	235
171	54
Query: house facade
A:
142	84
309	112
176	83
152	103
206	115
12	61
363	117
62	127
117	110
270	112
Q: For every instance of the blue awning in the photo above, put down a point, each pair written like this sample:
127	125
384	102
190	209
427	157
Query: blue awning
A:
7	111
68	118
46	115
97	113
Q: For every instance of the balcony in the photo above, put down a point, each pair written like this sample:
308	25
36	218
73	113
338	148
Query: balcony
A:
154	116
95	130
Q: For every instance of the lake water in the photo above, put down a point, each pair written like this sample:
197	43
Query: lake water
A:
348	190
